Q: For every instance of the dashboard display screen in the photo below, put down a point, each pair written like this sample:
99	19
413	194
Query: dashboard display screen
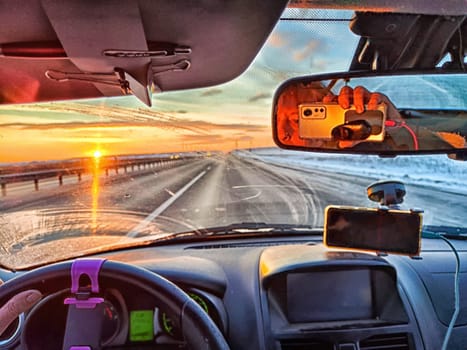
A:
329	296
141	325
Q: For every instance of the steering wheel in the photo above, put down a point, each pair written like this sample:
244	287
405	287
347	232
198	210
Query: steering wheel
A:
198	329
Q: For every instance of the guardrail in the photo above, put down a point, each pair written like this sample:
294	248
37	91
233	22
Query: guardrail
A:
37	171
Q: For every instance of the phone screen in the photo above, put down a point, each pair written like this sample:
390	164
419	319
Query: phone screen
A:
391	231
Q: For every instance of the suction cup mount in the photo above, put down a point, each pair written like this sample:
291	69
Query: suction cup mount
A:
387	193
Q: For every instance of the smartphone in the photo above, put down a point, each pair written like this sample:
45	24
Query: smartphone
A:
317	120
373	229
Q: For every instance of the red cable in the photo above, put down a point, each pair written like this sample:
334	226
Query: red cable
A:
394	124
414	136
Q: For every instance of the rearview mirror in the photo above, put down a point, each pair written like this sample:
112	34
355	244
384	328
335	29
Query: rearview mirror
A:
373	112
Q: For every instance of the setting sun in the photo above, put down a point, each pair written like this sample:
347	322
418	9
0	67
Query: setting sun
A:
97	154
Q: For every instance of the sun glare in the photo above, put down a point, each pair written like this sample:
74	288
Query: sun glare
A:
97	154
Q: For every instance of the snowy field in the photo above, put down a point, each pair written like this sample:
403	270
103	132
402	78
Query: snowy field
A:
435	171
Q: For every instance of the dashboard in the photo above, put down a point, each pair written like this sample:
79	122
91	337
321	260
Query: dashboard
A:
276	293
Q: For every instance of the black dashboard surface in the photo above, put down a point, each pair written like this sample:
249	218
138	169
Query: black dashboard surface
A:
409	307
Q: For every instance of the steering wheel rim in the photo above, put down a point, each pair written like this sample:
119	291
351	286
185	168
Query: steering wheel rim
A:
198	329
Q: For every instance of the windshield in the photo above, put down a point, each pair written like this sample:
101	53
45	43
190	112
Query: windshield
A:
89	175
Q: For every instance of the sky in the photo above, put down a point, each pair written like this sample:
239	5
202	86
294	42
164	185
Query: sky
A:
224	117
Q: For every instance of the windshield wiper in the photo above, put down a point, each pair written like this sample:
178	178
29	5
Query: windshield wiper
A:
259	228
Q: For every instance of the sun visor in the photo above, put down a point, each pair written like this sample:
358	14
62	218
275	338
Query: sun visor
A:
85	32
82	49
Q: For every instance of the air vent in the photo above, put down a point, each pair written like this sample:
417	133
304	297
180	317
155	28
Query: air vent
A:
396	341
305	344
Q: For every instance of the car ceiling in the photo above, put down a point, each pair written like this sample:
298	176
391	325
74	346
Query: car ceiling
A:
71	49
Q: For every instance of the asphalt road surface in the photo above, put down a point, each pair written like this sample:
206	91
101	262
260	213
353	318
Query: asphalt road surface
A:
221	190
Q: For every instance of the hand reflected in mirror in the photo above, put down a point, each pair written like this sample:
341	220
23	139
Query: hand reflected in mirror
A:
18	304
295	95
387	130
364	100
372	112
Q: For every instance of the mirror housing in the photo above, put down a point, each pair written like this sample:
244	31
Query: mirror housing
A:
386	113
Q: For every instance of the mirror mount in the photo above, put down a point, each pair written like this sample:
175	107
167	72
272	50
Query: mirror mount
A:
392	40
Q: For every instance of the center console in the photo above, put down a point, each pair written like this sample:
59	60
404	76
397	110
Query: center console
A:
316	298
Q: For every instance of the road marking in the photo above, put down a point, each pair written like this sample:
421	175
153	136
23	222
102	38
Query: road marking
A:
266	186
159	210
169	192
252	197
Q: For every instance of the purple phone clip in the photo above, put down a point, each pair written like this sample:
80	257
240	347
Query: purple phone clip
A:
91	268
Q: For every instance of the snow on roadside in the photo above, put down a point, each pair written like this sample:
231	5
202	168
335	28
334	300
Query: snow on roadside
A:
435	171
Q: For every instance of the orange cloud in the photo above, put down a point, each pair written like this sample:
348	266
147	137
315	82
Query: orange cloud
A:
307	50
211	92
260	96
276	40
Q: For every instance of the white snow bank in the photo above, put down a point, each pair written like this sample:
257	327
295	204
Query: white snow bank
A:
435	171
